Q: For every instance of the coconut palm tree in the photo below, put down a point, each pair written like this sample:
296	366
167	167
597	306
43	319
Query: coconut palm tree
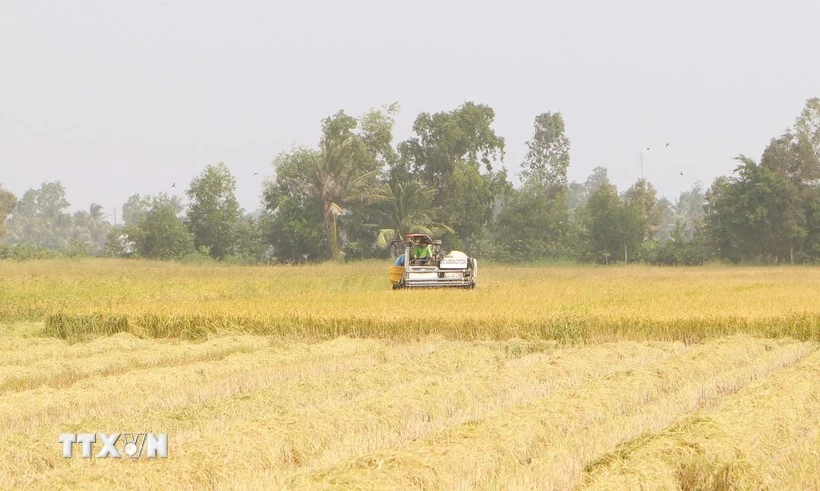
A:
338	174
97	226
408	210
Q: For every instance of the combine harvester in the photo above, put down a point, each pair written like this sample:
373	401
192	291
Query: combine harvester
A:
436	271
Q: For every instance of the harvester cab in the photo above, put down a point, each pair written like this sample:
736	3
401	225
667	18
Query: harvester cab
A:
424	265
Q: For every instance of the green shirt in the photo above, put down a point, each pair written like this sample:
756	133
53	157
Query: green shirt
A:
422	251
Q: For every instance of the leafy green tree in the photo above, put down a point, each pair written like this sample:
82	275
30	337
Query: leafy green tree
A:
134	208
159	233
649	213
792	165
529	225
792	157
24	223
811	248
547	158
292	220
578	193
51	200
689	209
376	132
719	223
576	196
807	131
599	224
605	226
532	224
679	249
767	211
614	227
469	206
795	165
39	218
447	154
633	226
446	139
213	211
756	215
118	243
250	241
599	177
7	202
671	252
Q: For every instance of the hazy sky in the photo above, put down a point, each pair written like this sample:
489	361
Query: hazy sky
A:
120	97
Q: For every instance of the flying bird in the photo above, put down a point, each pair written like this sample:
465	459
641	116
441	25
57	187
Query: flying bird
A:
667	144
255	173
174	185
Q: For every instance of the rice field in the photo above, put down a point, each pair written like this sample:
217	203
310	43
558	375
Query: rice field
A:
322	377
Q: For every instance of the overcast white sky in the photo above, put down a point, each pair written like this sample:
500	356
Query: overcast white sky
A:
119	97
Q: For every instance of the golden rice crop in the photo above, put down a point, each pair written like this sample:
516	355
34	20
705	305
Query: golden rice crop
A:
545	434
322	376
86	298
765	436
434	413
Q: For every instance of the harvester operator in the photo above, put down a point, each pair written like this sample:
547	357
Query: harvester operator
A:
422	251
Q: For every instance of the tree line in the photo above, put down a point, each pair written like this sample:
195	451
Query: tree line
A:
356	191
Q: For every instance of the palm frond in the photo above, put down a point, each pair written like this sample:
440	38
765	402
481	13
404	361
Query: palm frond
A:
385	237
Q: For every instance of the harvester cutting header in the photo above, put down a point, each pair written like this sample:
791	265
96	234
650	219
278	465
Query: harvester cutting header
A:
424	265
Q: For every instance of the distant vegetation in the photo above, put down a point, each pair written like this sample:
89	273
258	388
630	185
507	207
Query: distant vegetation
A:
354	192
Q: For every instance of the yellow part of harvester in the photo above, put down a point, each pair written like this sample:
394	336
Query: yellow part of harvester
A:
396	273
